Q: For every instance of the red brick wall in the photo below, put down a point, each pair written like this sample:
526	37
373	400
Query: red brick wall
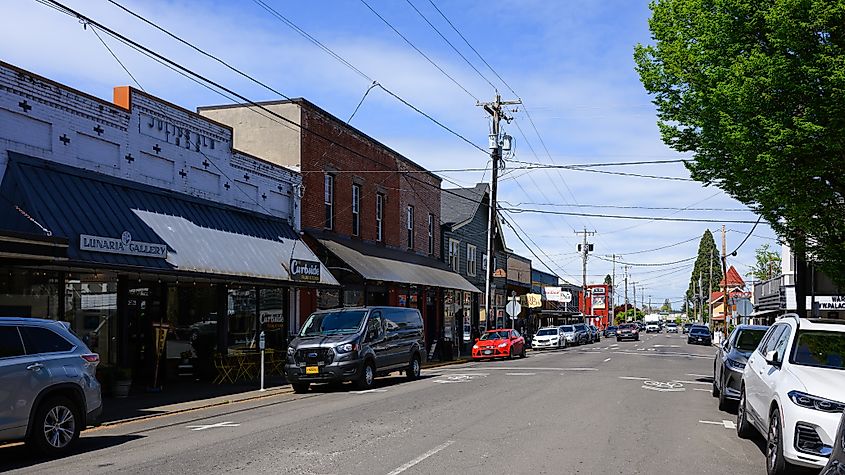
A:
379	173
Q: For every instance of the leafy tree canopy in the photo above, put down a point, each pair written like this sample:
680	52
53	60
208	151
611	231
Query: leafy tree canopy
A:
756	90
767	264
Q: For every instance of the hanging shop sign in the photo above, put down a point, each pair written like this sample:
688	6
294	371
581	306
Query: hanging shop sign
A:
533	300
500	273
597	290
598	302
123	245
557	294
304	271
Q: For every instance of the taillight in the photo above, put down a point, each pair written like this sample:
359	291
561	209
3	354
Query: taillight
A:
92	358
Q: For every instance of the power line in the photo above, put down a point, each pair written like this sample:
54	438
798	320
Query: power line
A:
649	264
412	45
601	164
658	208
611	216
747	235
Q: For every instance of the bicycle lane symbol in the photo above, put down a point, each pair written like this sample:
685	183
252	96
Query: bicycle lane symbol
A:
668	386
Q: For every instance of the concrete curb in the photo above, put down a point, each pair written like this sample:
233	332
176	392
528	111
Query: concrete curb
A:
202	404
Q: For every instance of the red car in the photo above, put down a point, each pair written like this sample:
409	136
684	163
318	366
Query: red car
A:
501	343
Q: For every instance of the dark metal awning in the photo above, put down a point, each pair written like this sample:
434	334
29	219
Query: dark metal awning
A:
382	268
119	223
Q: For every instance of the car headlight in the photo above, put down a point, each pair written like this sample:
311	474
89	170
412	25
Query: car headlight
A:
291	351
346	347
474	347
814	402
503	344
735	365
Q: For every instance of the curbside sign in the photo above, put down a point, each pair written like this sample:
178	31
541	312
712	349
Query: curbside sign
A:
304	271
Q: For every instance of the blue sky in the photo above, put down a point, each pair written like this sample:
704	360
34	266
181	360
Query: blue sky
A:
570	62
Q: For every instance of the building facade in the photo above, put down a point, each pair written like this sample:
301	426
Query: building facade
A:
139	224
372	215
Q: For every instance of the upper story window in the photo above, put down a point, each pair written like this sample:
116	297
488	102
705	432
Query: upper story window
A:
455	255
410	226
379	216
329	200
471	261
430	234
356	210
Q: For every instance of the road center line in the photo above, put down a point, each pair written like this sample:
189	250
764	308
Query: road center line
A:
422	457
520	374
606	360
635	378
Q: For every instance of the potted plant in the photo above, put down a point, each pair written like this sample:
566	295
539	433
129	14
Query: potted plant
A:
121	382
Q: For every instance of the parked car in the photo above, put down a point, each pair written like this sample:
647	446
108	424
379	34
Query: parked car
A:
569	334
793	392
595	333
610	331
687	326
501	343
582	334
640	326
548	337
731	359
356	344
671	327
652	327
836	463
628	331
699	335
48	386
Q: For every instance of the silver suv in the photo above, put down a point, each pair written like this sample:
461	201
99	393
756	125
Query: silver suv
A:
48	388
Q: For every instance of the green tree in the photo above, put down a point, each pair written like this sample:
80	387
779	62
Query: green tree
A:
666	307
707	255
608	280
756	90
767	264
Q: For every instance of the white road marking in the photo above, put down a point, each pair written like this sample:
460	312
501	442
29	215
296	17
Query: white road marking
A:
511	368
606	360
700	375
701	389
421	457
725	423
669	386
213	426
367	391
693	382
635	378
459	378
664	355
520	374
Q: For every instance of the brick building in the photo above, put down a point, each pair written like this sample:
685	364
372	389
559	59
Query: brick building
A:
371	214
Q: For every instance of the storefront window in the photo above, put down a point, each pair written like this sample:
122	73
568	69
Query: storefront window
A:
29	293
273	311
353	298
451	306
242	319
328	299
192	321
91	309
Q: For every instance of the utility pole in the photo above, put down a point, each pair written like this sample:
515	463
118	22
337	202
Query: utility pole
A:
634	287
497	115
626	293
725	269
613	290
585	249
649	303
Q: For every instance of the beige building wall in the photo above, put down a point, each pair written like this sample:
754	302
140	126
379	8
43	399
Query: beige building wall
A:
260	133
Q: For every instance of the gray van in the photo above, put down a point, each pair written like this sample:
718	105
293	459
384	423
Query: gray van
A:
356	344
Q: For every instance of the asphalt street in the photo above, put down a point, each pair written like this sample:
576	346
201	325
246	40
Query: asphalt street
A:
628	407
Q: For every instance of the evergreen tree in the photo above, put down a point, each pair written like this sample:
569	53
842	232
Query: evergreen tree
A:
707	254
608	280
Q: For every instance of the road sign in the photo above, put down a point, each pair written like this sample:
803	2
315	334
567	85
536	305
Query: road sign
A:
513	308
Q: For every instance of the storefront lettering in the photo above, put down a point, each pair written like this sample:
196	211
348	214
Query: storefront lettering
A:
308	271
123	245
828	302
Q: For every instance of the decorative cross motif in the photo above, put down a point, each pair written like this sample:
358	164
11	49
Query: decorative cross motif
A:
281	190
227	186
205	163
129	158
25	106
183	173
65	139
99	130
157	149
263	196
246	177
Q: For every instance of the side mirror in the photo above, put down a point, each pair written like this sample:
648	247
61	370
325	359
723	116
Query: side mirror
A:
476	340
772	358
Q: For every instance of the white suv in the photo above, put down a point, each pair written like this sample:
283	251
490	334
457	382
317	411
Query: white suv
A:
793	390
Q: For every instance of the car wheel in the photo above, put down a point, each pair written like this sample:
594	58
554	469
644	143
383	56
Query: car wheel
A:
724	402
57	426
743	427
715	391
413	371
367	378
522	354
300	388
775	463
510	353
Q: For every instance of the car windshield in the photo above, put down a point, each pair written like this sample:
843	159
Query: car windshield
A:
747	340
699	331
672	324
822	349
627	326
495	335
568	328
546	332
611	328
333	323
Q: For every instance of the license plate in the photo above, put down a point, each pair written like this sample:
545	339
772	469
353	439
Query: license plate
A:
699	339
488	352
312	370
